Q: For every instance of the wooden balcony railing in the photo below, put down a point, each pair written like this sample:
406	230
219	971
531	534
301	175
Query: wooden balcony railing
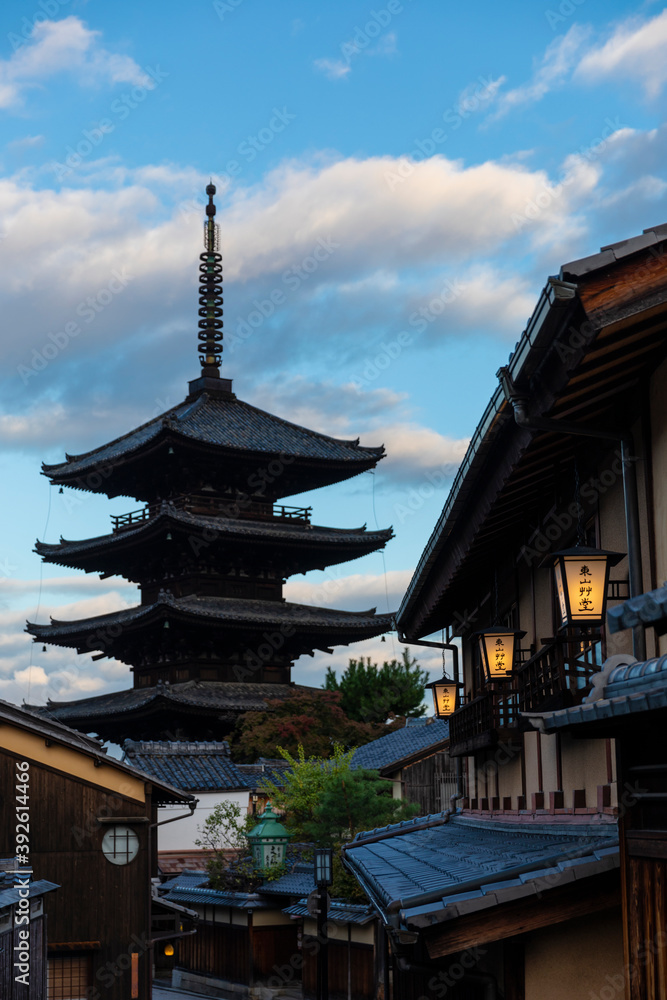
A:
242	507
557	675
487	720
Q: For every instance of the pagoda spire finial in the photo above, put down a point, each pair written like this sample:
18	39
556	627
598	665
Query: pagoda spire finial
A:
210	294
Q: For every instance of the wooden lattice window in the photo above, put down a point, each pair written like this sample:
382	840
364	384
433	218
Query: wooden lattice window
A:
69	977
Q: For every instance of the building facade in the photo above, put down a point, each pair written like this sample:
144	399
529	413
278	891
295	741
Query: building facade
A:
570	455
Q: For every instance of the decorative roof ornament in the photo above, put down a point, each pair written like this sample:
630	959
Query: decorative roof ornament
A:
210	294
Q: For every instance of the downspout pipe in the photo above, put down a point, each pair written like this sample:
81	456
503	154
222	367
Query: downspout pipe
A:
454	650
519	403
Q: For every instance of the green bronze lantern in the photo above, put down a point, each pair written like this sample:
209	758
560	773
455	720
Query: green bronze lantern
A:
268	840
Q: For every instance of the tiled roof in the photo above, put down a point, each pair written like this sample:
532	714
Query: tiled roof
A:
187	879
232	612
339	912
401	744
221	696
645	609
620	693
427	870
300	881
9	893
215	897
613	252
196	767
227	529
227	423
265	770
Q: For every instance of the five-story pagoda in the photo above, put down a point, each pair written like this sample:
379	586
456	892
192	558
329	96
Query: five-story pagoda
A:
210	550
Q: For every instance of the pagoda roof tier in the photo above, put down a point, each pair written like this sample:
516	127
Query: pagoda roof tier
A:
302	628
150	710
296	546
215	438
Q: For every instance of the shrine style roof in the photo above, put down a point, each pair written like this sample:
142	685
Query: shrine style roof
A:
197	697
223	424
196	767
227	530
429	870
232	613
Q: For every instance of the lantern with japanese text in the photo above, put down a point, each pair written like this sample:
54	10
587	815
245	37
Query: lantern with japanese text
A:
582	576
497	647
445	696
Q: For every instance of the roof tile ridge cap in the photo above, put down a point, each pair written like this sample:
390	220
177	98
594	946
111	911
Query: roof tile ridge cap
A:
348	442
158	421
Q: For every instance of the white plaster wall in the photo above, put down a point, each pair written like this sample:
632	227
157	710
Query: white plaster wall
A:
181	835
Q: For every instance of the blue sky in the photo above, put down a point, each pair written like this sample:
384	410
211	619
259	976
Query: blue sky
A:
445	159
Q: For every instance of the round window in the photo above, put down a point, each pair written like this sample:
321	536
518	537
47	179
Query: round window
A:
120	845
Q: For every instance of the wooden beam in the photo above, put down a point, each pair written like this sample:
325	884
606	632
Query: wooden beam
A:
555	906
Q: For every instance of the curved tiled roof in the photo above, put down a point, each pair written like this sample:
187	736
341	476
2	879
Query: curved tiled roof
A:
232	612
227	423
218	696
227	529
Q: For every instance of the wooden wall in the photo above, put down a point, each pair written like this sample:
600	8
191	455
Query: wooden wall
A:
361	963
430	782
216	950
98	901
9	988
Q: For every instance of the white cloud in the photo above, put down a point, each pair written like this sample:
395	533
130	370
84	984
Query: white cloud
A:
635	51
64	46
333	69
355	592
555	66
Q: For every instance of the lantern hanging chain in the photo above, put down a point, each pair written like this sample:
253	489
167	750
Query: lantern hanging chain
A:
444	673
577	500
496	617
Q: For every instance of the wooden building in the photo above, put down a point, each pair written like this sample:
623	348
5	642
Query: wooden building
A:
416	760
92	832
519	893
23	967
210	550
628	703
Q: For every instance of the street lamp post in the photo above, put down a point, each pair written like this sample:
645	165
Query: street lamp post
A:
323	879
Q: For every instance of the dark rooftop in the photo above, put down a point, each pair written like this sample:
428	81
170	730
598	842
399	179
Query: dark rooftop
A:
228	424
300	881
339	911
220	696
410	741
425	870
196	767
232	612
227	529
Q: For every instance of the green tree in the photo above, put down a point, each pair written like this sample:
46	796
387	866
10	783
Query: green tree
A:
328	802
308	720
372	694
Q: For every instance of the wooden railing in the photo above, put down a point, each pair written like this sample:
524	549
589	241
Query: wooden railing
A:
488	719
557	675
242	507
